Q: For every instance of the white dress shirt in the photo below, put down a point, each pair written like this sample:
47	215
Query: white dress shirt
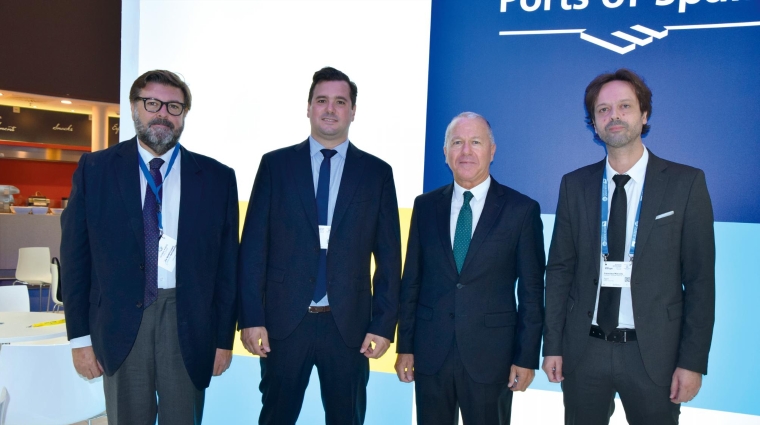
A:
169	211
477	202
633	192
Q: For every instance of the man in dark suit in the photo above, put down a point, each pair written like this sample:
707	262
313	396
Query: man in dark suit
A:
303	305
630	283
462	336
150	294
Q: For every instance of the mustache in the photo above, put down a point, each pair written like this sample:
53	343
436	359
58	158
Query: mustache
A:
161	121
616	122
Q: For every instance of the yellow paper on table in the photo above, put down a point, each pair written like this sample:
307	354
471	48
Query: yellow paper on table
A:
50	323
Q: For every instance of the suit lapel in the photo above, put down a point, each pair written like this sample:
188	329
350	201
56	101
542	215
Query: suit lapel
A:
655	183
495	200
304	182
593	198
191	198
349	181
443	217
128	177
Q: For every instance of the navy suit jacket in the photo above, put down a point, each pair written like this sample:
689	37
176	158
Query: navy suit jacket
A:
103	252
279	251
477	307
673	277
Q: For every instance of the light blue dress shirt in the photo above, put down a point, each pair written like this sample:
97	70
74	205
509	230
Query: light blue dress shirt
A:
336	172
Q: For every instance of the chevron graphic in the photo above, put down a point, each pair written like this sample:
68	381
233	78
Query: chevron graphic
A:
642	36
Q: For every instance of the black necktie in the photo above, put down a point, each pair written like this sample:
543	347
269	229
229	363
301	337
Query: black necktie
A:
151	231
609	298
323	202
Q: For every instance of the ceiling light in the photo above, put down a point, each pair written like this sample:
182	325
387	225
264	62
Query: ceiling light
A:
1	94
66	102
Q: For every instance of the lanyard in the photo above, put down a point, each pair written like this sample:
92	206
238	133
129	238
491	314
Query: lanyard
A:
605	219
152	183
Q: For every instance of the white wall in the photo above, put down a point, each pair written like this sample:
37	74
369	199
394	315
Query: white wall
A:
249	66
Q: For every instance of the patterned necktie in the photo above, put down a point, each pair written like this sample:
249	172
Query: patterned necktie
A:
463	232
151	231
609	298
323	201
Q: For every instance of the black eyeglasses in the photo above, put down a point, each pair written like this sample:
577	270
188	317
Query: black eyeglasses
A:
155	105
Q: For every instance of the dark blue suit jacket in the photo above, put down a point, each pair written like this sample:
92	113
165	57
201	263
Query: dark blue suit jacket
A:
477	307
279	251
103	250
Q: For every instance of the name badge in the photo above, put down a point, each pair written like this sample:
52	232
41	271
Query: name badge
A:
324	236
616	274
167	252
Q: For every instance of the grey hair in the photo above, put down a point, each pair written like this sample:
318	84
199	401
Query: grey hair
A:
468	115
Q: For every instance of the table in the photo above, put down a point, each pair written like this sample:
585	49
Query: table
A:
14	326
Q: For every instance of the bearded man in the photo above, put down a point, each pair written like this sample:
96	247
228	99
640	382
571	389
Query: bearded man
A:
630	282
150	297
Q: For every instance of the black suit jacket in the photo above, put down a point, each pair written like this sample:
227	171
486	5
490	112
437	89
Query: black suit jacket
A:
673	278
279	252
103	250
478	307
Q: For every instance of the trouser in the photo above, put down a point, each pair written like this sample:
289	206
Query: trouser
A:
343	374
439	397
608	368
154	368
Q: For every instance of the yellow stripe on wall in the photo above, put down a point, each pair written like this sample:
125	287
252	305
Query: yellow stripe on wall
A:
384	364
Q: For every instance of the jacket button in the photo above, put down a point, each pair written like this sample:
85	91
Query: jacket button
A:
139	304
596	281
451	315
316	249
590	314
311	280
142	266
460	286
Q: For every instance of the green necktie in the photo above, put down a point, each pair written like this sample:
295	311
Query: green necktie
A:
463	232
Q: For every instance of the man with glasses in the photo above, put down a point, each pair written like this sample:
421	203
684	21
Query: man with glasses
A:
149	298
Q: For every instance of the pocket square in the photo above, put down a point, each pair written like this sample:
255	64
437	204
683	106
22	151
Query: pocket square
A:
663	215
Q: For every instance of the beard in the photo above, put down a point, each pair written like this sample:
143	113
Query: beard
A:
159	140
621	139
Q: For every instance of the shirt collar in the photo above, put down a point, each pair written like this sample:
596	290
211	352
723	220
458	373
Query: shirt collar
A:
315	148
478	192
147	156
637	172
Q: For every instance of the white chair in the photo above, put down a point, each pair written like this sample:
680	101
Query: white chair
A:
42	373
3	404
14	298
33	268
57	304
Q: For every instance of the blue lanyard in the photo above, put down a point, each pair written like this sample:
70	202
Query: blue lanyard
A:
605	219
152	183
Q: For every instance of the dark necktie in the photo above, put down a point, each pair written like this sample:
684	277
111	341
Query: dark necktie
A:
150	224
323	201
463	232
609	298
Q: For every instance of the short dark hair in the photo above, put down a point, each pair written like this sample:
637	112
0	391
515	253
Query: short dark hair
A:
164	77
643	93
331	74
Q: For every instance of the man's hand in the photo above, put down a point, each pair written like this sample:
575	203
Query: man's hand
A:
222	361
85	362
553	368
520	378
250	338
685	385
381	345
405	367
